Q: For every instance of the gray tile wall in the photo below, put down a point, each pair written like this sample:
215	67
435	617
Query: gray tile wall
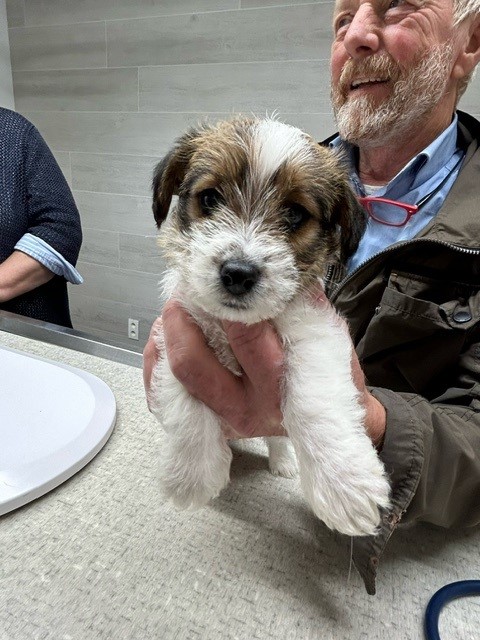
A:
6	86
111	83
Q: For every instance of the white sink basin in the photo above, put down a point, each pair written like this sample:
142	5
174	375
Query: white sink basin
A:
53	420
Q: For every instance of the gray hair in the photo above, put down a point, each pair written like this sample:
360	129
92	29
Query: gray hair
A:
463	9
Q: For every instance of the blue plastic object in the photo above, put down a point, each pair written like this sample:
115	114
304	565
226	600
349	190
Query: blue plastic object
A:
441	598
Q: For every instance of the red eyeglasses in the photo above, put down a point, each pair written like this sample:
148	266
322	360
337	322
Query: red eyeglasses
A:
396	214
389	212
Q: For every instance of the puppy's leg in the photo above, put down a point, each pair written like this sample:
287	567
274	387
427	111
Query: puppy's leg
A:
341	474
281	457
195	457
342	477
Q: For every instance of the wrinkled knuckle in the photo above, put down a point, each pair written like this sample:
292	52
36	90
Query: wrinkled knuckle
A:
178	364
279	365
148	351
157	325
184	368
155	344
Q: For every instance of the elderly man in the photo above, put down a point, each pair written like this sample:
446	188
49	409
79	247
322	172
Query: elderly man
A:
411	292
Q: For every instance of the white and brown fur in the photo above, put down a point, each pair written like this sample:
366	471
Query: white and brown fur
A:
262	208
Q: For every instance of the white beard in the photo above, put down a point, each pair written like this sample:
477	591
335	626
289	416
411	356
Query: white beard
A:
415	94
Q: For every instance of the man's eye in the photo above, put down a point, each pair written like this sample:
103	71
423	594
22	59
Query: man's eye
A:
209	200
393	4
342	23
297	216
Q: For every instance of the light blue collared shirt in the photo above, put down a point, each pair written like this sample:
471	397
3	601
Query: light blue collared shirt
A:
45	254
417	179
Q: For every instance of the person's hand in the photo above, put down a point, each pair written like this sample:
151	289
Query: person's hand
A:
151	354
249	405
375	414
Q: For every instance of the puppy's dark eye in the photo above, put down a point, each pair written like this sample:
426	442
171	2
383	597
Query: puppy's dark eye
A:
209	200
296	216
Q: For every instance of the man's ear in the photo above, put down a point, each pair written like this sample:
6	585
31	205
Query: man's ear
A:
351	217
469	55
170	173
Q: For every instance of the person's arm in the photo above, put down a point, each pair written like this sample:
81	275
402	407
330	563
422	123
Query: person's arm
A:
46	255
431	453
20	273
251	404
432	449
51	210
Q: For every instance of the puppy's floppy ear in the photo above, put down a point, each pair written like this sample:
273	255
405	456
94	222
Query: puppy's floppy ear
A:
169	174
351	217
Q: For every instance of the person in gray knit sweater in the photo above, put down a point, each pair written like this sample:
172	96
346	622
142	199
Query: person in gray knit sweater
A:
40	230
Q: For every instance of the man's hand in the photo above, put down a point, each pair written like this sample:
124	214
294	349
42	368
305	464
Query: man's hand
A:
375	414
250	404
151	355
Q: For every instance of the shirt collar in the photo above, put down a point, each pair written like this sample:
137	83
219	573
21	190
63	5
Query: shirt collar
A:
420	168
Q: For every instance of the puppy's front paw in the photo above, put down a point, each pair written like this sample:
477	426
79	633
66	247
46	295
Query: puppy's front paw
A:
349	501
359	507
191	484
285	467
281	457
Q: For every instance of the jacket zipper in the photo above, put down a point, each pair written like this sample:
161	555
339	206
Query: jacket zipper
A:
392	249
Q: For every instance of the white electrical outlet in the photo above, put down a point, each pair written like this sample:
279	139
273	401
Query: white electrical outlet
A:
133	328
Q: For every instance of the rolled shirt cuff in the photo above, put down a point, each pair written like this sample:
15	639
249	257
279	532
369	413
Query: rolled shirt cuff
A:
41	251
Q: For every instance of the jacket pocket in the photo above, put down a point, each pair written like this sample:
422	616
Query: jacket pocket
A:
417	332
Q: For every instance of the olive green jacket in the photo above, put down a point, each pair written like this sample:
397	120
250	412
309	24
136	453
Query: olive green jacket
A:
414	315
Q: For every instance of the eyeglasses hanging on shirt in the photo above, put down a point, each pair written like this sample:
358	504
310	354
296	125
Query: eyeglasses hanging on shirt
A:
396	214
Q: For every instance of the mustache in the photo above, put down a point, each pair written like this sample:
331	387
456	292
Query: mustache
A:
379	66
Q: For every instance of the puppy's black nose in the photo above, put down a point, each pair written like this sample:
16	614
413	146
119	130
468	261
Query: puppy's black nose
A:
239	277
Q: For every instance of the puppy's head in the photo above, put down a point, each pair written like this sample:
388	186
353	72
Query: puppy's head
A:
262	208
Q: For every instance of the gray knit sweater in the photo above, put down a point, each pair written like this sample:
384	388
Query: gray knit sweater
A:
35	198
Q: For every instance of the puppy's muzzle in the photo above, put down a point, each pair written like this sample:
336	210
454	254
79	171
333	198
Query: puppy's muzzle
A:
239	277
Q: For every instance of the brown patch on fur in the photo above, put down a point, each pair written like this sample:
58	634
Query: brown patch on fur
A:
220	157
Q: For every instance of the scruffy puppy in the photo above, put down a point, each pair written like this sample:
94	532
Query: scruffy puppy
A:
262	208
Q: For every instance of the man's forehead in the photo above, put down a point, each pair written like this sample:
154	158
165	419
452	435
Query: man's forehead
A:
342	5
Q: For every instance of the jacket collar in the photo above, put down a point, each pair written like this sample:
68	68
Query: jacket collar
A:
457	222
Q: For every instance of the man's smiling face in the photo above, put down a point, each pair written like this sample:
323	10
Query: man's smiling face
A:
391	66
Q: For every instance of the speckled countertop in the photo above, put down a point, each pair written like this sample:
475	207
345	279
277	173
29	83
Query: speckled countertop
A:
102	557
